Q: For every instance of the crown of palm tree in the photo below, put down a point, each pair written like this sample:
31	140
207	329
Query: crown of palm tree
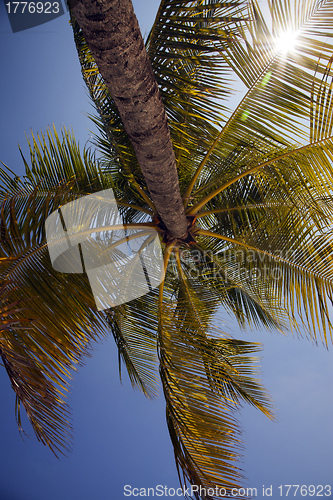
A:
255	185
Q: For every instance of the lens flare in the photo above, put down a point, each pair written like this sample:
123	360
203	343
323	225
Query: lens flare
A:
286	42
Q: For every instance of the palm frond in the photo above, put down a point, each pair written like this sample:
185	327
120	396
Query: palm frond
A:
204	380
38	388
278	108
134	328
183	46
199	310
262	243
299	276
118	157
56	159
321	107
304	173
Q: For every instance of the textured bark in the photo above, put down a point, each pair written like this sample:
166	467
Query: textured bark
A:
112	33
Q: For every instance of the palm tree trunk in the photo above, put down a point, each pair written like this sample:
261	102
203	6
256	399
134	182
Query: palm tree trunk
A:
112	33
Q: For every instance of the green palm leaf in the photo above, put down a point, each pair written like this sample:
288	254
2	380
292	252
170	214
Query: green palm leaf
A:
183	46
119	160
204	379
137	343
278	80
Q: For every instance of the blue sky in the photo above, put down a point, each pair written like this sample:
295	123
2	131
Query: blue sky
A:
120	437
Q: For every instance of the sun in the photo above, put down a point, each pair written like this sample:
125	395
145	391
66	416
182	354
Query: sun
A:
286	42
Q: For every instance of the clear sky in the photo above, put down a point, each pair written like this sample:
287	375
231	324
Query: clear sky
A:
120	437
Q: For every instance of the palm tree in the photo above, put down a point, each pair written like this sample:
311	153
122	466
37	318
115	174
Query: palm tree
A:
255	185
